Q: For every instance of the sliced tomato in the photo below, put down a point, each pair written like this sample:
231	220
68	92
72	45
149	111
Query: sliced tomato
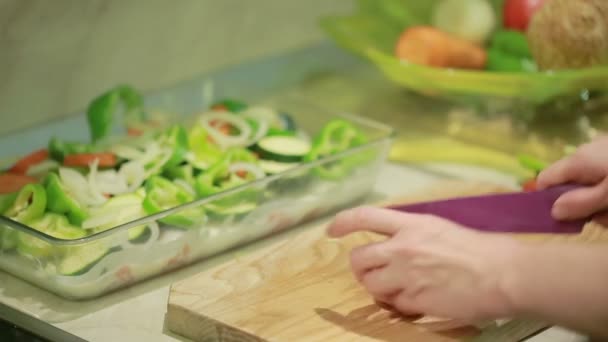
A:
219	107
241	173
223	127
518	13
36	157
12	182
105	159
530	185
134	132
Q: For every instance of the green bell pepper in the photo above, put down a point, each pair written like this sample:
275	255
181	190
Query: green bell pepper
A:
29	204
60	201
101	110
218	177
532	163
175	138
6	201
509	52
230	105
335	137
204	154
58	149
51	224
185	172
162	194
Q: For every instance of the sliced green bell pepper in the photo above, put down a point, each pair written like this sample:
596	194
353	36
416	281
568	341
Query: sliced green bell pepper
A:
335	137
58	149
162	194
175	138
509	52
29	204
534	164
204	153
101	110
218	178
51	224
7	200
185	172
61	202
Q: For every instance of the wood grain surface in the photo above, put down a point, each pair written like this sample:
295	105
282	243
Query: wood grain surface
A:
302	289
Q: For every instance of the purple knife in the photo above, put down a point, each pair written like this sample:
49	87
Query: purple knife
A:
517	212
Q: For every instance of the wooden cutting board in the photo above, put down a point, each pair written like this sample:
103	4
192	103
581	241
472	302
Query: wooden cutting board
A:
302	289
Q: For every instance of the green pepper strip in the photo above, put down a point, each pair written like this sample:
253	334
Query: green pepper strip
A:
58	149
532	163
51	224
335	137
29	204
6	201
205	153
217	177
177	139
162	194
60	201
101	111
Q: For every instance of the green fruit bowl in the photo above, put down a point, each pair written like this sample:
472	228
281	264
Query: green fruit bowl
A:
372	33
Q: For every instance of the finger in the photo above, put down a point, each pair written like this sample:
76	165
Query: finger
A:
381	282
376	220
368	257
601	218
406	305
569	169
581	203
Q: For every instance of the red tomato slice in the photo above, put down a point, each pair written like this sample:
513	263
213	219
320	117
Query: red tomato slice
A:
84	159
33	158
12	182
134	132
530	185
518	13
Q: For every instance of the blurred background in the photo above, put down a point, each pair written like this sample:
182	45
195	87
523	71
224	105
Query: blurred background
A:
57	55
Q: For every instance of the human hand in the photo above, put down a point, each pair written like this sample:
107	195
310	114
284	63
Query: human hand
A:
428	265
587	166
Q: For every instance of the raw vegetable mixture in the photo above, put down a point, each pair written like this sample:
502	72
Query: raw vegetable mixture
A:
70	190
531	35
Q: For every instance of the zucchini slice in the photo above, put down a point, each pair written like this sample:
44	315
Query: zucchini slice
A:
283	148
272	167
79	260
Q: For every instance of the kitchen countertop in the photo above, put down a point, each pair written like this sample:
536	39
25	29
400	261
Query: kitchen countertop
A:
138	313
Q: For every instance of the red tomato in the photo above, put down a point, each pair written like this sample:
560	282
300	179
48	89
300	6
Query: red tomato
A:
518	13
530	185
84	159
12	182
31	159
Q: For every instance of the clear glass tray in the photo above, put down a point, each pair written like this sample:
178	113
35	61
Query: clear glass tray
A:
112	259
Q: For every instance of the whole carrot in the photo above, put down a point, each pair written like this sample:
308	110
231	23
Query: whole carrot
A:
429	46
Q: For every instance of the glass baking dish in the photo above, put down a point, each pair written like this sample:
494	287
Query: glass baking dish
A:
134	251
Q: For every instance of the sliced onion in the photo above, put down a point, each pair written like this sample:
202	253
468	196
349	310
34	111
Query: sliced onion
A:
111	182
77	185
126	152
134	174
92	180
99	220
260	133
222	139
42	167
250	168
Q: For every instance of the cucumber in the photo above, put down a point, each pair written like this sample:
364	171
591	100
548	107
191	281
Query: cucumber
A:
272	167
283	148
79	260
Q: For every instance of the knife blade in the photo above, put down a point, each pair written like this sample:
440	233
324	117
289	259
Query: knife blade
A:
516	212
